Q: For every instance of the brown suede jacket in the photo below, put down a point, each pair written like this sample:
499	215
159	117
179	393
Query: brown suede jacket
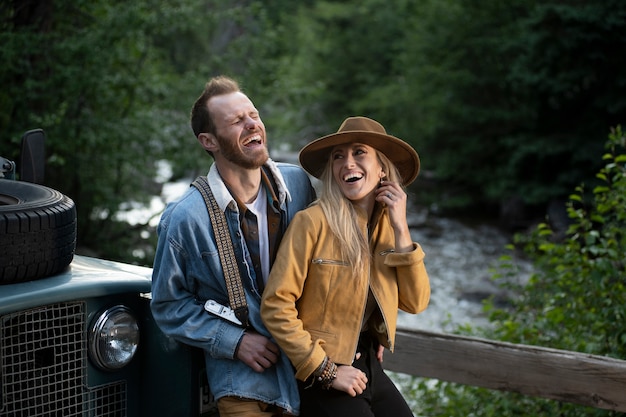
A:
312	304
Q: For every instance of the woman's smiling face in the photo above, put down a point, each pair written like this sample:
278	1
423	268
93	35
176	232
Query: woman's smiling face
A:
357	171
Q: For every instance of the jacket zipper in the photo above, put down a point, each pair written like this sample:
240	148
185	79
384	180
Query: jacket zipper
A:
356	345
321	261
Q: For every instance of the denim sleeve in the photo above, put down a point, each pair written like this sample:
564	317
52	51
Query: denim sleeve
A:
175	307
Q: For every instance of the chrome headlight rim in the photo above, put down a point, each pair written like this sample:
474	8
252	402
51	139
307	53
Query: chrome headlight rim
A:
108	356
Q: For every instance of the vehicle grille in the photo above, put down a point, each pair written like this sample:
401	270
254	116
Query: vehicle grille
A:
43	372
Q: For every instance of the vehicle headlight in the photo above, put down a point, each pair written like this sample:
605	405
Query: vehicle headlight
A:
114	338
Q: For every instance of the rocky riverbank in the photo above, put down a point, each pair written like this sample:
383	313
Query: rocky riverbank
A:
459	258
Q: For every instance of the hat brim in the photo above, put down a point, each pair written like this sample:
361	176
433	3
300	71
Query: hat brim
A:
314	156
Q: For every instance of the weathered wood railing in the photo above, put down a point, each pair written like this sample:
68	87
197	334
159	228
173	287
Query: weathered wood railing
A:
560	375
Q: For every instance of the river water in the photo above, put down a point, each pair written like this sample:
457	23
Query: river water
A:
459	260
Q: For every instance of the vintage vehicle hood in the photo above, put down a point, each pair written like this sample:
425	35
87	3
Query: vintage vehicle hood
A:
85	277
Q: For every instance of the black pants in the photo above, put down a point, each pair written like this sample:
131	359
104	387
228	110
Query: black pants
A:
381	398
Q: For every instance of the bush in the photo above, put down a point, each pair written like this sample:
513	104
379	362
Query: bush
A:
575	300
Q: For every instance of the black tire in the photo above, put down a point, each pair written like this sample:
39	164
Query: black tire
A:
37	231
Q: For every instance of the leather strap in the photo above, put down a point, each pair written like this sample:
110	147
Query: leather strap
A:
236	294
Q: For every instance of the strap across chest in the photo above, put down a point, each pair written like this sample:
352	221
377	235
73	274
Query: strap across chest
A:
236	294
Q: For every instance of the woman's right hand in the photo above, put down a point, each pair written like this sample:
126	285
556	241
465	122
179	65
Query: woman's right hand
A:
350	380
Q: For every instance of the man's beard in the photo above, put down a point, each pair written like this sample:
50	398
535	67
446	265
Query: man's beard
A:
233	153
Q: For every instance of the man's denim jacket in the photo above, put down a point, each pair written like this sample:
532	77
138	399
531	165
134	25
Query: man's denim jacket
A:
187	272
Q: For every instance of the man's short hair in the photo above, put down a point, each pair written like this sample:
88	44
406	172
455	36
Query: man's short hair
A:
201	119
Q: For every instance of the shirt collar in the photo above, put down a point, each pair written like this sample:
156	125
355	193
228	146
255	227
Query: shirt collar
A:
223	197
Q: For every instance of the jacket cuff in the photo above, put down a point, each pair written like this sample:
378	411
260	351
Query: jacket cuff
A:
396	259
227	341
304	371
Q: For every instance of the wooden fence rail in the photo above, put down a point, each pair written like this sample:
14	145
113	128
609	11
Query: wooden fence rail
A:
579	378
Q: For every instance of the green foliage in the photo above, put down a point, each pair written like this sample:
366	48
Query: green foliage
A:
112	82
565	71
434	398
92	75
578	292
575	300
502	99
503	83
341	52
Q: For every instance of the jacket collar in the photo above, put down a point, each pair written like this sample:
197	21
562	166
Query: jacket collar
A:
225	199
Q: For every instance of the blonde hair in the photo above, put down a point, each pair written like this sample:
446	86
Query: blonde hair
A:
342	217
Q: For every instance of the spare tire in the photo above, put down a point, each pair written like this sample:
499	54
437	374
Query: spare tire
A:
37	231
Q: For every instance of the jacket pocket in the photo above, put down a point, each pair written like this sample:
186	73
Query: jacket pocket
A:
320	261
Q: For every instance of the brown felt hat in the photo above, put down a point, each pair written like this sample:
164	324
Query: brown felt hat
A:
314	156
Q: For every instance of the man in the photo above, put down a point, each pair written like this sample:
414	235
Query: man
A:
247	373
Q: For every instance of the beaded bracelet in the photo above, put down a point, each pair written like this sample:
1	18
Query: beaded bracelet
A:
326	373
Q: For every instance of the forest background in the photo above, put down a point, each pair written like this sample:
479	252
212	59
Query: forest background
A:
508	103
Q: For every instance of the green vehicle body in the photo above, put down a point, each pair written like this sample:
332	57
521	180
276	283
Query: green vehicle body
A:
47	364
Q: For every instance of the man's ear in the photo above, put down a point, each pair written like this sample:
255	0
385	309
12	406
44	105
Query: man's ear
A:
208	141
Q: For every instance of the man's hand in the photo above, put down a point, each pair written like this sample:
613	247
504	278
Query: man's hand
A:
257	351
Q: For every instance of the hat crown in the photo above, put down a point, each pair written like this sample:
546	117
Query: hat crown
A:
361	124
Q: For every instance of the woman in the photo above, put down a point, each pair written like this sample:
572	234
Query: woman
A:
345	266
